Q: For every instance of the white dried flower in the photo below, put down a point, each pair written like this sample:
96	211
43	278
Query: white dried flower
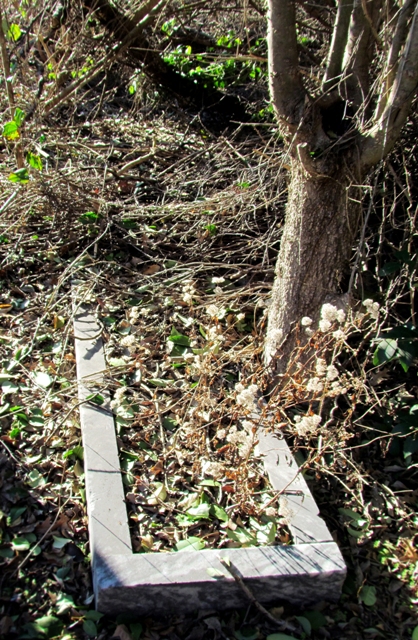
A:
372	308
306	321
217	280
118	397
325	325
217	291
271	512
340	316
134	314
128	341
240	439
212	310
307	424
188	291
329	312
214	334
339	334
189	357
214	469
332	372
240	317
315	385
246	396
321	367
221	434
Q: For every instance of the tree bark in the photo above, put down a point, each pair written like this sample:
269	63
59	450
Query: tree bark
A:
322	218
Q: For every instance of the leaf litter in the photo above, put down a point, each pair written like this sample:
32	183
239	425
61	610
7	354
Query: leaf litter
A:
196	214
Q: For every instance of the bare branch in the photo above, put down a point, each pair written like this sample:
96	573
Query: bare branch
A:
393	57
355	61
384	134
338	43
286	88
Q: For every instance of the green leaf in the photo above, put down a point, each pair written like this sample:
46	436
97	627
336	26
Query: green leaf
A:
59	542
64	603
389	268
201	511
89	217
242	536
93	615
305	624
21	176
90	628
159	382
179	338
218	512
350	513
43	379
34	161
14	32
96	398
21	543
280	636
209	483
136	630
15	513
169	424
35	479
212	229
368	595
6	552
11	131
246	633
316	619
385	352
9	387
49	626
190	544
415	633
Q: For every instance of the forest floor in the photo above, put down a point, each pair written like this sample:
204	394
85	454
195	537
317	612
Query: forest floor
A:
175	253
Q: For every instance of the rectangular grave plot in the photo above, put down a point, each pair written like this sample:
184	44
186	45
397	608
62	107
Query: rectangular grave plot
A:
306	572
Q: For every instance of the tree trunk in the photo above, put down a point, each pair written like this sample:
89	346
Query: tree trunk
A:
322	218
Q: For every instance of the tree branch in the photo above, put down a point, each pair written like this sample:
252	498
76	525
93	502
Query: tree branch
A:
384	134
358	52
338	44
393	57
286	88
355	61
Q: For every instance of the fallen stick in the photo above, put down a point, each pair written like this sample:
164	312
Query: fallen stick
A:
281	624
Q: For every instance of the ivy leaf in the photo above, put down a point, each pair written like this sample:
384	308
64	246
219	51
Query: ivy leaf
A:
34	161
179	338
64	603
14	32
199	512
11	131
90	628
21	176
43	379
190	544
368	596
